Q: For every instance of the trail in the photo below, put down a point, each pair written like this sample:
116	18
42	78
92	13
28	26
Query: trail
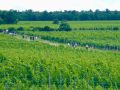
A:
48	42
39	40
27	38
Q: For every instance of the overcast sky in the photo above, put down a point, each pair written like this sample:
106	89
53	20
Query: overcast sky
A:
53	5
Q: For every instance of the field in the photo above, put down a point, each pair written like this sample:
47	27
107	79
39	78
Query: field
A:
73	24
38	66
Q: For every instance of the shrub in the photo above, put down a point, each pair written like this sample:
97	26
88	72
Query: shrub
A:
115	28
20	28
47	28
11	29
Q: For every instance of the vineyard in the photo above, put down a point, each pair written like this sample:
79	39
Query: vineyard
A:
99	39
99	34
35	65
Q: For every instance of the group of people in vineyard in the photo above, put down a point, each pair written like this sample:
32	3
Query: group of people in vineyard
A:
6	31
74	44
30	37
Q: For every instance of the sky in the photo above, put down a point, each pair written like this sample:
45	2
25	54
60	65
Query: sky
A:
59	5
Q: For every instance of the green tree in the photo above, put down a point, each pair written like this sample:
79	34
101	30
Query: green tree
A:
56	21
11	17
1	21
64	27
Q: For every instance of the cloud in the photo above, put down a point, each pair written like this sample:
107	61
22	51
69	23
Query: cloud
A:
53	5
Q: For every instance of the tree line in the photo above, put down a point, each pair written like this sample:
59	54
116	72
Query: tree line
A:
12	16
